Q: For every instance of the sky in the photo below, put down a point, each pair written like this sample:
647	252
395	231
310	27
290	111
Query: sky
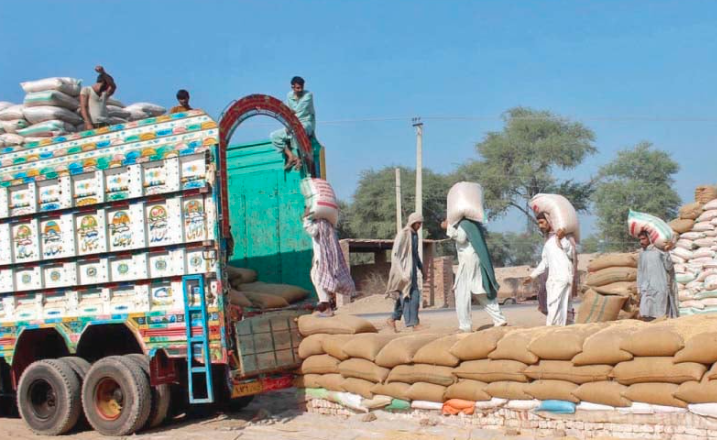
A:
630	71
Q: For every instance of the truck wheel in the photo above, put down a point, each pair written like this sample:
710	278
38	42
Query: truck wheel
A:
161	394
78	365
116	396
49	397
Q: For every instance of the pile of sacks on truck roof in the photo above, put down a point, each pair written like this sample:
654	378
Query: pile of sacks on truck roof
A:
247	291
628	366
695	253
51	109
610	289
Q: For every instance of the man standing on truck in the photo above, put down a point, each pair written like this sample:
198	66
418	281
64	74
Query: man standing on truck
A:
656	281
403	277
302	103
329	272
93	100
183	99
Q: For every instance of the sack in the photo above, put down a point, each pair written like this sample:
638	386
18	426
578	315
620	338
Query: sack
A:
685	278
705	194
367	345
237	298
146	107
588	406
659	231
69	86
467	389
493	403
508	390
657	369
454	407
562	214
681	225
47	129
566	371
264	301
703	409
13	126
320	364
396	390
118	112
604	346
695	351
653	341
599	308
605	393
291	294
604	261
465	200
332	382
426	405
697	392
11	139
311	346
693	235
479	344
426	392
611	275
363	369
522	405
438	352
334	345
703	227
655	394
11	113
401	350
358	386
552	390
691	211
422	373
35	115
51	98
621	288
556	407
570	339
320	200
244	275
398	405
335	325
707	215
307	381
682	253
5	104
486	370
514	346
377	402
685	244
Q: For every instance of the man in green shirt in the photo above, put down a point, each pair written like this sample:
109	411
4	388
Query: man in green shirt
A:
302	103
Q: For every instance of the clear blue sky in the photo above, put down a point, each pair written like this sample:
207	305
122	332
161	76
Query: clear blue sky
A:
382	59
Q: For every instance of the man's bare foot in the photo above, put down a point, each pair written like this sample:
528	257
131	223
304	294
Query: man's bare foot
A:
418	327
392	324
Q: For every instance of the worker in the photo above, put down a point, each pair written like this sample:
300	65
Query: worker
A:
403	277
302	103
329	272
558	257
183	99
93	100
656	282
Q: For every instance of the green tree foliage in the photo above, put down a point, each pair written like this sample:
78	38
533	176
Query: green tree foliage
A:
590	245
640	179
513	249
519	162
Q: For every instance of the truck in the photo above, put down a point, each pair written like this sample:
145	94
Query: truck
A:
113	280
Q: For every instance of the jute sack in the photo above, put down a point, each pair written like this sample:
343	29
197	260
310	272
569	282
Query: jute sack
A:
697	392
320	364
242	275
604	393
438	352
655	393
422	373
479	344
397	390
363	369
307	381
657	369
700	349
565	370
311	346
604	346
603	261
237	298
265	301
705	194
622	288
514	346
367	345
508	390
467	389
552	390
570	339
599	308
653	341
291	294
401	350
486	370
336	325
611	275
332	382
358	386
334	345
691	211
426	391
682	225
712	374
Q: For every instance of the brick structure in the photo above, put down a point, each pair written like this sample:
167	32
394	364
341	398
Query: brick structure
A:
443	274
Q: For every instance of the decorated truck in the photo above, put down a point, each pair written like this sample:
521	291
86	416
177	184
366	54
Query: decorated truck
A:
113	251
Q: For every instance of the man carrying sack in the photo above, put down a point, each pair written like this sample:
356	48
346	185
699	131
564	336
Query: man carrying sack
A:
403	277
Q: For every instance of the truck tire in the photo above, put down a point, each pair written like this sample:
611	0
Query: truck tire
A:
161	394
49	397
116	396
78	365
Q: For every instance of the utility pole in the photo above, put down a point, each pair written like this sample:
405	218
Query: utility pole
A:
399	220
419	178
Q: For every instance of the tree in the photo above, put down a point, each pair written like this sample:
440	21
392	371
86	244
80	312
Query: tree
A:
640	179
513	249
518	162
373	211
590	245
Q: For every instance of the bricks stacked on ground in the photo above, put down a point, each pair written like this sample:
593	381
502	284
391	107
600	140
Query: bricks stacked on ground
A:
695	253
610	289
627	365
246	291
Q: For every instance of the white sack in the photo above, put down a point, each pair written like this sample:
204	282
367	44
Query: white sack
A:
561	212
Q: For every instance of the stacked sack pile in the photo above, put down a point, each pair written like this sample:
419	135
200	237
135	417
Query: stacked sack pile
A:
610	289
247	291
695	253
628	366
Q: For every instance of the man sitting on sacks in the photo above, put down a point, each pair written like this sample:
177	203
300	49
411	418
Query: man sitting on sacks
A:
558	256
656	281
302	103
403	277
475	275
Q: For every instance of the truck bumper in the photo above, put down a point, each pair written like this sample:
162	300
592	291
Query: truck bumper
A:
258	385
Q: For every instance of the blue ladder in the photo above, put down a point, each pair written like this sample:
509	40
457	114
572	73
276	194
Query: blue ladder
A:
191	284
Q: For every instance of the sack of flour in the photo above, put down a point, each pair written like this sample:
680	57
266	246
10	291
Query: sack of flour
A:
465	200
